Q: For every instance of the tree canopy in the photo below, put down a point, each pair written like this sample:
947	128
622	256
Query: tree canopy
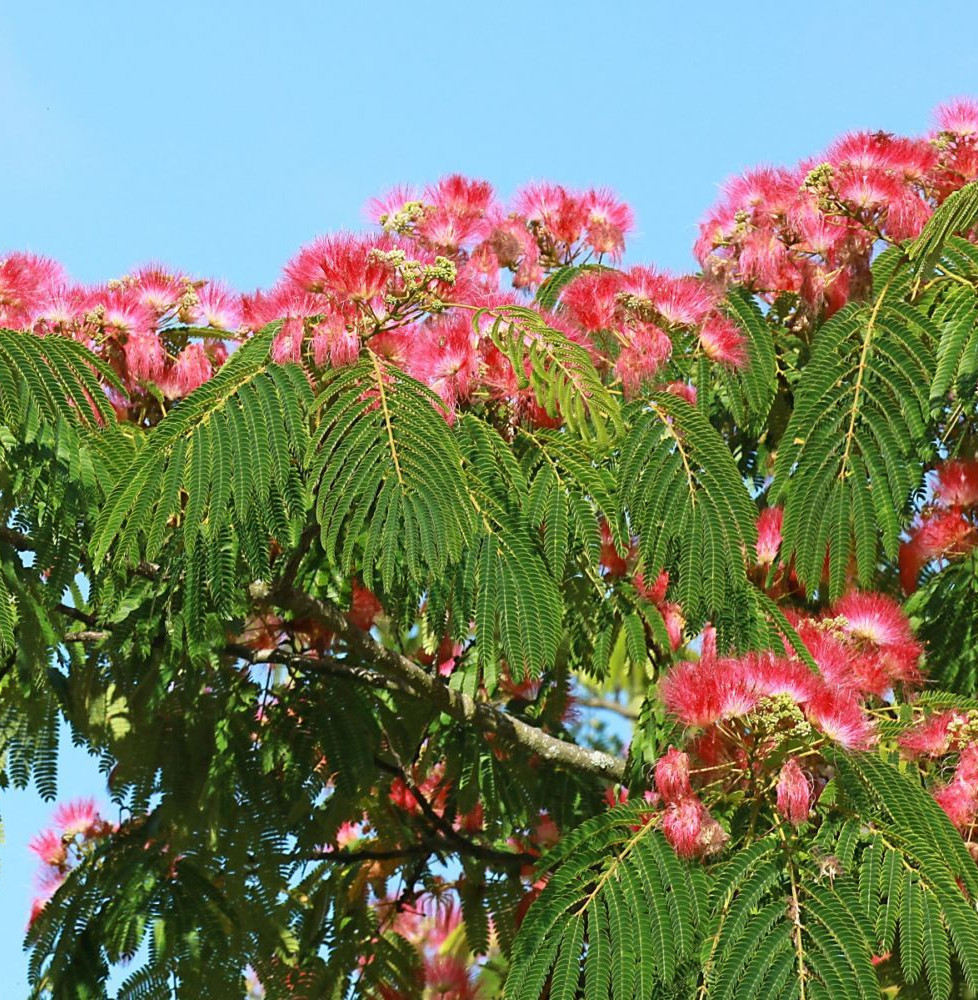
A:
338	580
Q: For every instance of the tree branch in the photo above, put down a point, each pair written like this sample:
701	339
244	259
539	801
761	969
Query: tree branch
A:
456	704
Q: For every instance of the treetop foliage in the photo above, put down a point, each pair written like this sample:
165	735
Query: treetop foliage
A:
339	582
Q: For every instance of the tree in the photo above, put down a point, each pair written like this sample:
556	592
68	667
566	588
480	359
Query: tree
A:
325	575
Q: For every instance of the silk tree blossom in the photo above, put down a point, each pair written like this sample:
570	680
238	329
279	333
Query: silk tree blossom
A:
672	775
712	691
769	523
793	793
76	830
945	529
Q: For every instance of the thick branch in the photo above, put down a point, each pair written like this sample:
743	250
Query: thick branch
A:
453	703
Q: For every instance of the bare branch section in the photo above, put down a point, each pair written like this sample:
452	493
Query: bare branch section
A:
459	706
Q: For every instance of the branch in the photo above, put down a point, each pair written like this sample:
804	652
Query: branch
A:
589	701
453	703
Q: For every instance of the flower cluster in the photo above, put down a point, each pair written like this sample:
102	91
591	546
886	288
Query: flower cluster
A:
642	313
938	739
154	327
77	829
407	294
752	715
811	230
947	526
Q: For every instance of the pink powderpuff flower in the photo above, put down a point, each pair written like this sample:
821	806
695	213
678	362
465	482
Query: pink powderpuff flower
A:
959	116
957	482
722	341
591	300
158	288
40	901
122	310
343	266
546	833
50	848
612	561
335	343
26	281
190	371
672	775
794	793
772	675
77	818
348	833
448	977
287	345
379	210
932	737
609	221
675	620
967	767
444	356
218	307
879	625
867	189
681	389
643	358
941	534
682	301
840	717
656	593
61	310
461	196
144	356
702	693
561	213
769	523
959	801
682	825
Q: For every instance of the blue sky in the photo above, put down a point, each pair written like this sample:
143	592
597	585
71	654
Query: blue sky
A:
218	137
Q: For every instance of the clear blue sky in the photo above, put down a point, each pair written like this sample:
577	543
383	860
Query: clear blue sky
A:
219	137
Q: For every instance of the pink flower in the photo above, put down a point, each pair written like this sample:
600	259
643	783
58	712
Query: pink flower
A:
443	355
794	794
191	370
591	300
218	307
348	833
50	848
77	818
841	718
958	800
932	736
682	825
26	282
957	482
722	341
364	607
643	358
672	775
158	288
959	116
769	535
342	266
144	356
609	221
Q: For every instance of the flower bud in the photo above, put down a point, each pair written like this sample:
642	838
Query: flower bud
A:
682	824
672	775
794	794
